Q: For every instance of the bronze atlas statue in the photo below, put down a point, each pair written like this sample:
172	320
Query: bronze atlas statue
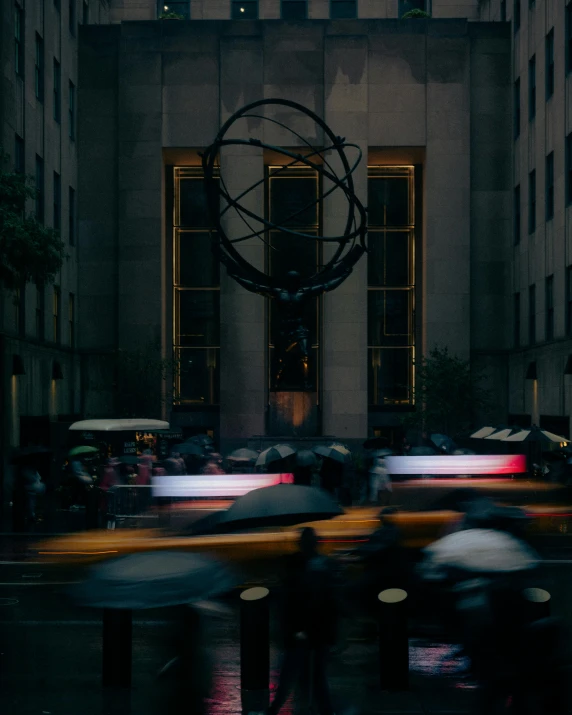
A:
290	292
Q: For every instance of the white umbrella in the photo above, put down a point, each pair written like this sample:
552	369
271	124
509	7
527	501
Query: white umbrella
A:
243	455
534	434
481	550
337	452
483	432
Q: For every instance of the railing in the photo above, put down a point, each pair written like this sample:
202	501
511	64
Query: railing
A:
128	506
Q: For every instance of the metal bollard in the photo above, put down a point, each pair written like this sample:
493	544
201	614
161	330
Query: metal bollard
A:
393	640
536	604
117	648
255	648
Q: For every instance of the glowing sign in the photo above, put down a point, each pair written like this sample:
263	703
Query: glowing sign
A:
458	464
215	485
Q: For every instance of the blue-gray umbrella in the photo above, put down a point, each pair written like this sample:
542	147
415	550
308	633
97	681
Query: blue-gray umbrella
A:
154	580
243	455
337	452
273	454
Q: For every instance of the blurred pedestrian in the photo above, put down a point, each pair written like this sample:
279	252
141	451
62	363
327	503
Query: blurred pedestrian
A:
331	475
213	464
174	464
28	486
380	482
310	615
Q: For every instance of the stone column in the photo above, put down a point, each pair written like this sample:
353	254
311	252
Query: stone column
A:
446	256
242	313
344	334
243	344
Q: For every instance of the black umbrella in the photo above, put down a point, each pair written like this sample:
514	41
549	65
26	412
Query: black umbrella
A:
190	448
279	505
24	454
376	443
202	439
154	580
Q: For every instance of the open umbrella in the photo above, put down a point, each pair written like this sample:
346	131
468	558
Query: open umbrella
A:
376	453
25	454
82	450
443	442
189	448
534	434
273	454
337	452
306	458
243	455
154	580
483	432
279	505
481	550
201	439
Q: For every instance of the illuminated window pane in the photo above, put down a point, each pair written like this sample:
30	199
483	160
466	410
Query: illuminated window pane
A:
196	264
293	201
389	258
198	318
199	375
388	201
389	318
193	210
390	376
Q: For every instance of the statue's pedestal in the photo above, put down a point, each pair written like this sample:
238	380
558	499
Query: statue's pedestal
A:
293	413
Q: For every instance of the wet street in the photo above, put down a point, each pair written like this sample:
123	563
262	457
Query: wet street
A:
51	651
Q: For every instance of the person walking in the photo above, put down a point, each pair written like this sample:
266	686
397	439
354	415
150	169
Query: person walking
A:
309	622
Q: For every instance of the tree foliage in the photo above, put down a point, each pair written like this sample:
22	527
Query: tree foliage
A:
448	394
28	250
411	14
145	381
170	16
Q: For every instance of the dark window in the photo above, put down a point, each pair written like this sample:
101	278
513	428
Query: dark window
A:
71	111
503	11
516	108
19	155
549	187
549	54
85	12
57	314
71	319
19	40
71	216
516	15
40	189
40	311
532	201
569	168
569	37
72	15
391	287
183	9
244	9
57	99
343	9
532	315
39	69
408	5
196	283
549	307
57	201
516	214
516	320
569	300
532	87
294	9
